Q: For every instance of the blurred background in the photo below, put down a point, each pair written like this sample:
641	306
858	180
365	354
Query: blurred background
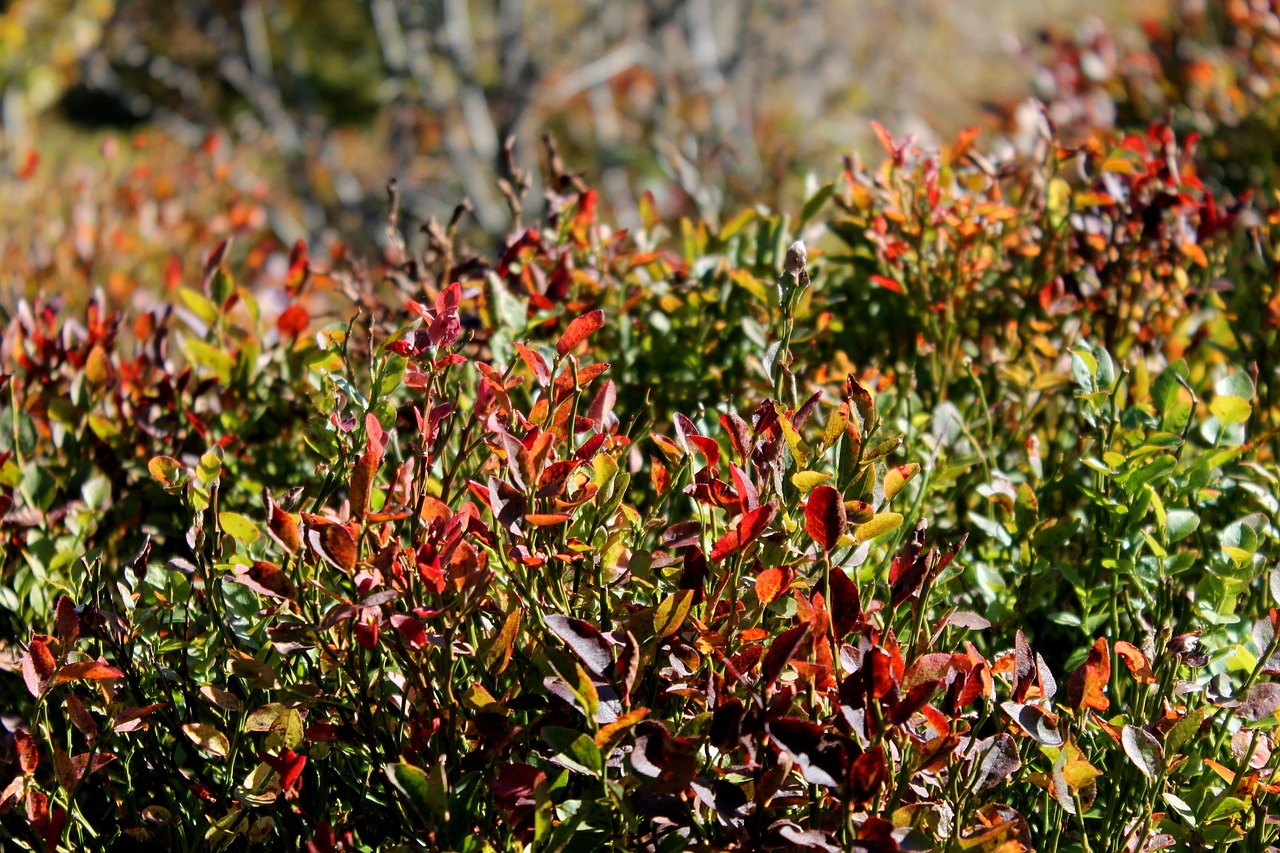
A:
708	101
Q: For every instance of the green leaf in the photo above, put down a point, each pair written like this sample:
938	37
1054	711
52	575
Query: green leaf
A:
1053	534
104	428
1180	523
1165	390
211	358
426	792
736	224
574	750
199	305
1183	731
1156	469
814	204
1231	410
1225	807
240	528
670	614
96	492
221	286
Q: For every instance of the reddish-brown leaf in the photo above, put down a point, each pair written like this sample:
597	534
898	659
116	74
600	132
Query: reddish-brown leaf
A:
824	517
28	752
67	627
780	653
267	579
578	330
659	477
80	717
331	542
63	770
80	763
1261	701
585	640
867	775
281	527
38	667
366	468
1086	685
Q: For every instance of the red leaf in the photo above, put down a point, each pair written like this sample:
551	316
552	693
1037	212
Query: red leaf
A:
536	363
410	630
87	670
38	811
450	298
289	765
445	330
885	138
579	329
824	516
366	632
293	321
747	492
887	283
38	667
749	527
298	269
1084	688
708	447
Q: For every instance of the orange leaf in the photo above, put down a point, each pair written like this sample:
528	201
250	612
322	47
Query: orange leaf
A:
547	519
1136	661
772	582
87	670
1084	689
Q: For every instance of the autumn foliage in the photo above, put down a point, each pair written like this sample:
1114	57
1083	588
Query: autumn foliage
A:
940	515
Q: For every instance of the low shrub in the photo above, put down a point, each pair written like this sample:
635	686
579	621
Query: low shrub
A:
953	531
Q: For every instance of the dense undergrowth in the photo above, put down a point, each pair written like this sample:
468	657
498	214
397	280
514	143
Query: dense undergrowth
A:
954	531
